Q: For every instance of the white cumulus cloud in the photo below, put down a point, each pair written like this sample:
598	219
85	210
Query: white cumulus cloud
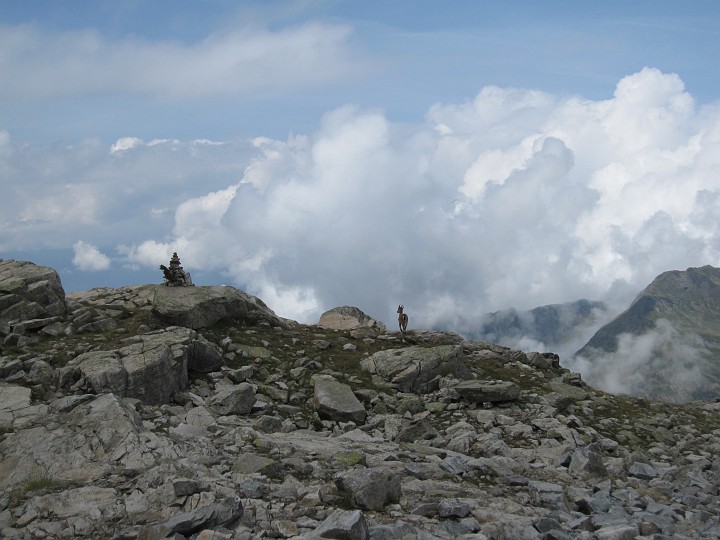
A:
125	143
521	199
516	198
89	258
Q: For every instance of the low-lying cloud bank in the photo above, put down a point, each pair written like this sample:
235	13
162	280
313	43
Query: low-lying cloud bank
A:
516	198
663	363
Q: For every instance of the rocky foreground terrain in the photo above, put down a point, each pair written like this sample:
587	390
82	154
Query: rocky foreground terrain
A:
196	412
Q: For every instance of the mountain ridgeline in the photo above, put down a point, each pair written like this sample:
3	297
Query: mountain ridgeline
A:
689	299
665	346
669	338
552	327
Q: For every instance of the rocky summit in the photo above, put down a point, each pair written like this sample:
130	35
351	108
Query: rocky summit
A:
151	412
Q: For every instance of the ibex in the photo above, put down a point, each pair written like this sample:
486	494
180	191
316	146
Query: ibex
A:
402	319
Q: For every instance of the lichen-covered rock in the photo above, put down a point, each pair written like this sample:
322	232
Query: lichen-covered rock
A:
235	399
345	524
250	463
418	369
568	391
81	445
335	401
193	521
369	489
543	361
587	460
349	318
416	430
136	369
16	407
28	291
201	307
103	371
487	391
78	512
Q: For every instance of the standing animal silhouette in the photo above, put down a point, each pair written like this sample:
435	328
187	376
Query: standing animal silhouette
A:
402	319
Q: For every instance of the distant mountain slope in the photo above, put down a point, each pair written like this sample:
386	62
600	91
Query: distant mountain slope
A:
667	343
549	327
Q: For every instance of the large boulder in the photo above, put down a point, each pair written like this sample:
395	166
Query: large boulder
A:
568	391
16	407
369	489
201	307
587	460
151	368
29	292
335	401
349	318
193	521
234	399
418	369
346	524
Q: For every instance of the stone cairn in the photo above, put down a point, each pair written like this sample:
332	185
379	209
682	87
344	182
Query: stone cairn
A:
175	276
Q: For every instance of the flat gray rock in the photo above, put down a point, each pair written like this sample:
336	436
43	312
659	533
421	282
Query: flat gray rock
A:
201	307
418	369
343	524
335	401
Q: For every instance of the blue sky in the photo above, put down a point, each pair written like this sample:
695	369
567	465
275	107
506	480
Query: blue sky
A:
456	157
409	55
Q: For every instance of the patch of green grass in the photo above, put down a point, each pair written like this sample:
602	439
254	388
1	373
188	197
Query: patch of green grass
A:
616	416
39	482
286	344
349	458
498	369
38	479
